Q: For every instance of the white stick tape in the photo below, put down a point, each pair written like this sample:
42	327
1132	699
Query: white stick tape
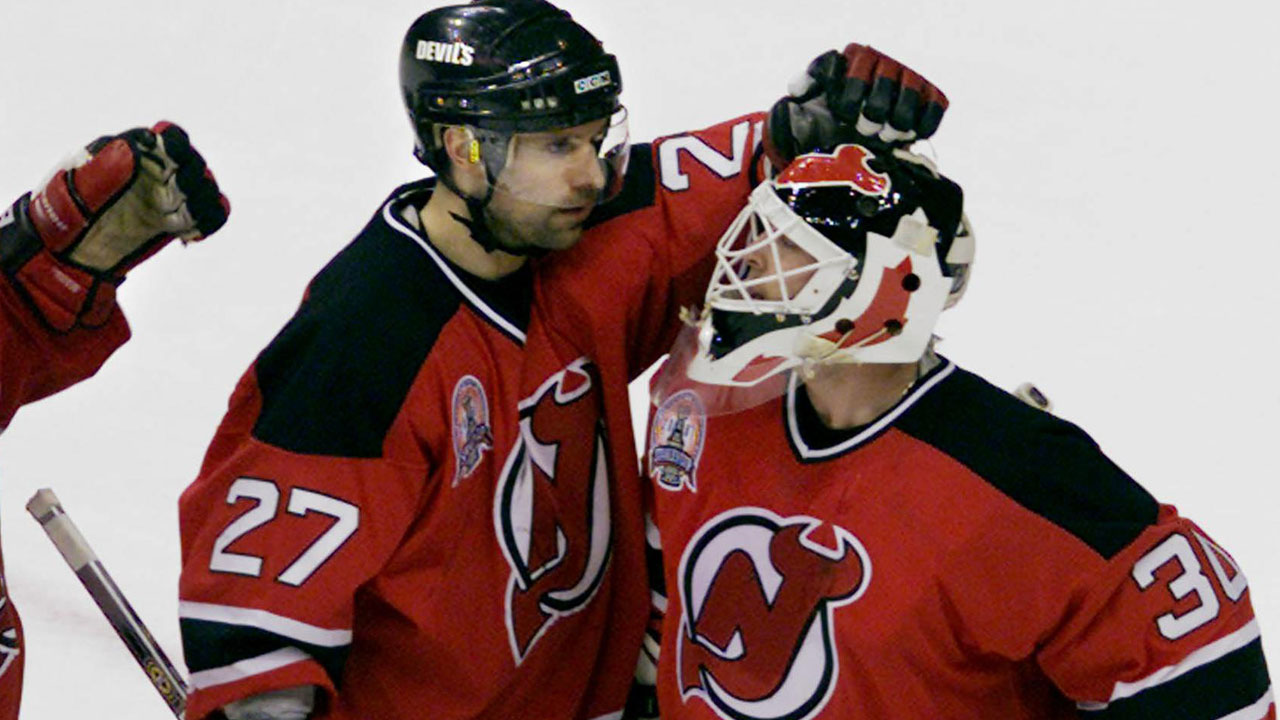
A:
70	542
44	506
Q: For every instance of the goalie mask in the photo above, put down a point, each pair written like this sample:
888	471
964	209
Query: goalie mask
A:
848	256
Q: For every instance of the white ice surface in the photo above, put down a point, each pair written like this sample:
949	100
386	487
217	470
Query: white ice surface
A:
1124	204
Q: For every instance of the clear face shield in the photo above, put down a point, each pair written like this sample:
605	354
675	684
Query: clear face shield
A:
568	169
679	375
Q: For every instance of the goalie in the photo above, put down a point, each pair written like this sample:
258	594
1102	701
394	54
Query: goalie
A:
871	531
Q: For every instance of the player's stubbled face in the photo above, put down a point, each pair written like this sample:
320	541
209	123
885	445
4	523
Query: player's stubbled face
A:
550	184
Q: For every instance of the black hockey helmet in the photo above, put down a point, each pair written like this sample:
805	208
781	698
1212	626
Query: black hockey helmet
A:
506	66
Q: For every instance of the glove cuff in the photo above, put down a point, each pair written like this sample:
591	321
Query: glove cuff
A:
61	294
18	239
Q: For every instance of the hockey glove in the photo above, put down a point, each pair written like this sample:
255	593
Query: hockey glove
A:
842	95
107	208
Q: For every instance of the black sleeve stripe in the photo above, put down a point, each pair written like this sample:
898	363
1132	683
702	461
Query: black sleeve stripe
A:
334	379
209	645
653	636
1235	681
1041	462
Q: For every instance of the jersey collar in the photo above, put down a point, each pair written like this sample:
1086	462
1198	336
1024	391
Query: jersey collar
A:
505	302
812	441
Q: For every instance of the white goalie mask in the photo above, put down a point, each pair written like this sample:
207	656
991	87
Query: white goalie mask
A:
847	256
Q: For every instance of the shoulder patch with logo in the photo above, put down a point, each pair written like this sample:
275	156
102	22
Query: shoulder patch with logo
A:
472	434
675	441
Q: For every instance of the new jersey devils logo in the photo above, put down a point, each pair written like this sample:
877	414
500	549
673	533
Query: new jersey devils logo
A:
757	594
848	165
551	510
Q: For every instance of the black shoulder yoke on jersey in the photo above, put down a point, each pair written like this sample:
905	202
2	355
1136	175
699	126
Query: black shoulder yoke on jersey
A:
333	380
1044	463
639	188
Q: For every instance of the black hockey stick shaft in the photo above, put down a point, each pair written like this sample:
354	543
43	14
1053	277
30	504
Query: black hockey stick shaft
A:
46	509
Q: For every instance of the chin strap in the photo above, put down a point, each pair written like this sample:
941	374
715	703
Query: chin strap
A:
481	233
485	146
475	224
489	148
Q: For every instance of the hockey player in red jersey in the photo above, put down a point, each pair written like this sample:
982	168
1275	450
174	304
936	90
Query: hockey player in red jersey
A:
422	500
869	531
63	252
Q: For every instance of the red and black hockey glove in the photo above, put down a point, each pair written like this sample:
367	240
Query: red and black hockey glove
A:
842	96
107	208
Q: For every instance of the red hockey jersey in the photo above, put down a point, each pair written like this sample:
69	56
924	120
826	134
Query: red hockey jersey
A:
964	557
423	496
36	362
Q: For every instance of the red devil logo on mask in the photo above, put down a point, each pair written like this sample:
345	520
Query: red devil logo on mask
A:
848	165
757	594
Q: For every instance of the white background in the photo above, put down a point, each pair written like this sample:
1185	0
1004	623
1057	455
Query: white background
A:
1118	158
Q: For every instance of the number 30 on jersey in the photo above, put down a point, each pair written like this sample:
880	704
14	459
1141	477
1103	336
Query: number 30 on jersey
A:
1191	580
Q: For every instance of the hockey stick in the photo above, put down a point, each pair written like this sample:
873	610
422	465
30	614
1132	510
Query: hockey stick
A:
46	509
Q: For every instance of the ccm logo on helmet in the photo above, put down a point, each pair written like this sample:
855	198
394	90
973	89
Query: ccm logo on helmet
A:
455	53
592	82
